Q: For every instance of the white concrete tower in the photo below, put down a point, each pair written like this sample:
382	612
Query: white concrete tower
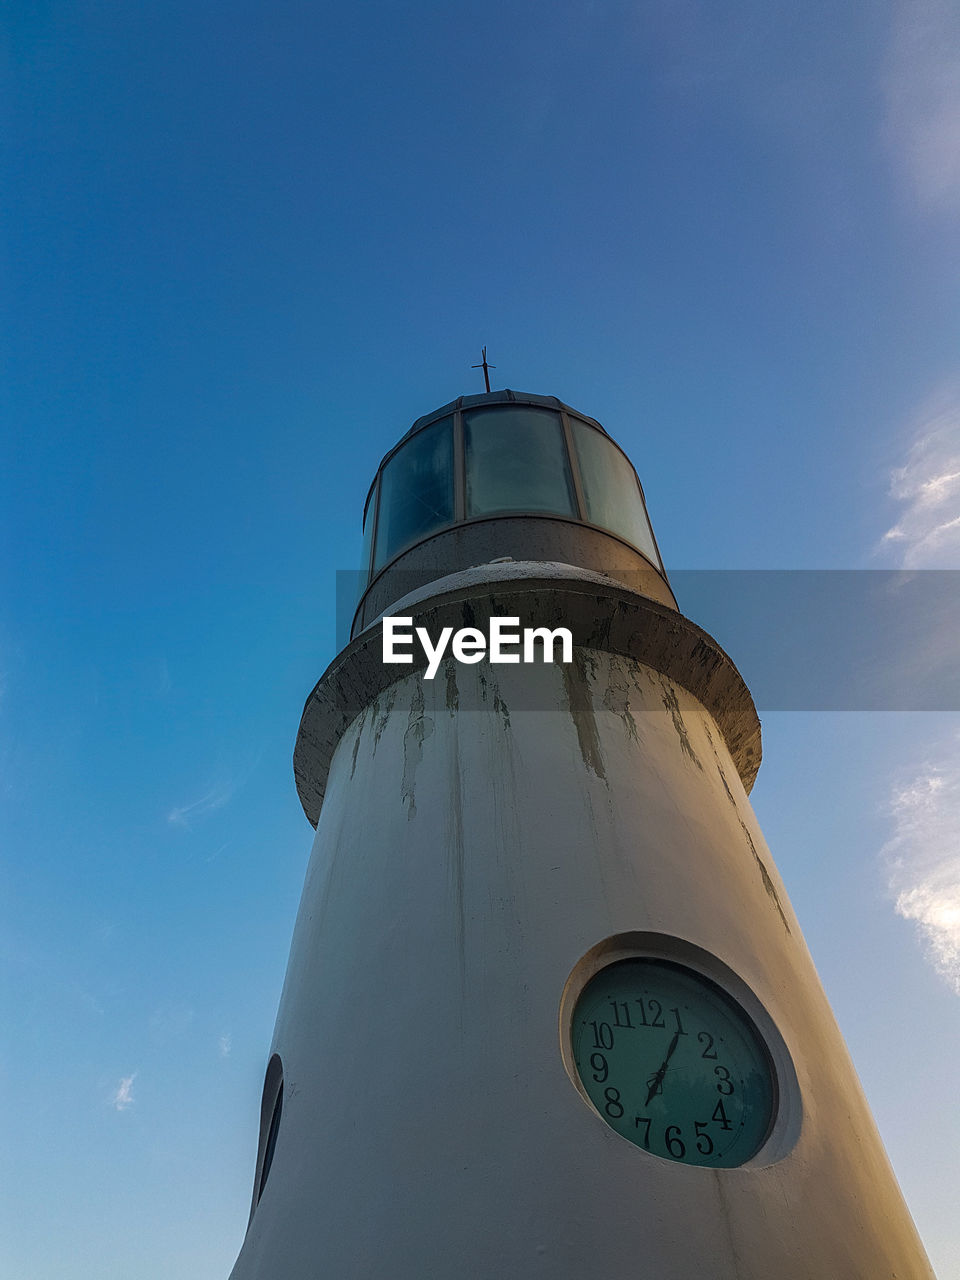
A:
548	1011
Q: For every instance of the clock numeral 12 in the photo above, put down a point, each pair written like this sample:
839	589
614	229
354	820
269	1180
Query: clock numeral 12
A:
652	1005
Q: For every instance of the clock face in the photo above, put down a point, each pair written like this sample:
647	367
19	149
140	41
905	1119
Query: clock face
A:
672	1063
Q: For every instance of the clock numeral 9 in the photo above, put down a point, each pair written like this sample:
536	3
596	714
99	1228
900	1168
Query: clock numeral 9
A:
599	1064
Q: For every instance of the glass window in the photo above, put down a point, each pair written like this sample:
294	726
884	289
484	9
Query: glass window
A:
610	489
516	461
416	490
369	521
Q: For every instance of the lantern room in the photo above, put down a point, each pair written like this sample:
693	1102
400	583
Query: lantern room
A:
506	475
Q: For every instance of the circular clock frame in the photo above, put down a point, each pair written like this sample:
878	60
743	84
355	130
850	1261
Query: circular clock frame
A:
754	1126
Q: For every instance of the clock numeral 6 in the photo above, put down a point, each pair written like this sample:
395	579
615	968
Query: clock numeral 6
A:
674	1144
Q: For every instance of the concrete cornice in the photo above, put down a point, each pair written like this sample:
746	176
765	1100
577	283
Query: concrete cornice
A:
600	614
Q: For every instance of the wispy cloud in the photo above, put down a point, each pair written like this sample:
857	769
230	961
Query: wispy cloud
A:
923	858
230	777
123	1096
225	1045
923	100
88	999
927	487
170	1021
163	681
185	815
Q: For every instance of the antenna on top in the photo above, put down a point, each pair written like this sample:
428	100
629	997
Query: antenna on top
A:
484	366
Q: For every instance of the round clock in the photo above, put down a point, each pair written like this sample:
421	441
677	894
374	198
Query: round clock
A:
672	1063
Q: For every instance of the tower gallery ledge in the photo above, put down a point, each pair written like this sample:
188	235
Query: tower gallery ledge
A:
602	614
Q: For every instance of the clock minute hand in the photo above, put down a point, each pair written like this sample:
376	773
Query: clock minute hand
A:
655	1082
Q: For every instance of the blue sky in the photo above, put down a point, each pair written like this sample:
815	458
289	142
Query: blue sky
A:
244	247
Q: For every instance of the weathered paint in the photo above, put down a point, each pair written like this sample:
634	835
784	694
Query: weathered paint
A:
429	1125
615	619
485	842
580	705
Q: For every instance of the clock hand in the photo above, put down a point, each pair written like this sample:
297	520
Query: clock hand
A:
655	1082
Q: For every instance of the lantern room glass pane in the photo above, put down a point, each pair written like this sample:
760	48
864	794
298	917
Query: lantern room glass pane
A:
416	491
610	489
516	461
369	522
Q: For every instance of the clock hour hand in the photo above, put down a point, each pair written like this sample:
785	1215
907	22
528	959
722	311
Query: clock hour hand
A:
655	1082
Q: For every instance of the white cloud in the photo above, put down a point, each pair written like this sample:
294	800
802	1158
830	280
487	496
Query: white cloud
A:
923	855
923	100
215	798
226	1044
123	1096
923	858
927	487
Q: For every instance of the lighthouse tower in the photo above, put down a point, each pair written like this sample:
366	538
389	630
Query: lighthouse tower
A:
548	1011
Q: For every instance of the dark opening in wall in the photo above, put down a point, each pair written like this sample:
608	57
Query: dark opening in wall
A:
271	1107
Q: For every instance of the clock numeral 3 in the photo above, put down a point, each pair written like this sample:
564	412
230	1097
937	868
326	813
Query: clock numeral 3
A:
724	1083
